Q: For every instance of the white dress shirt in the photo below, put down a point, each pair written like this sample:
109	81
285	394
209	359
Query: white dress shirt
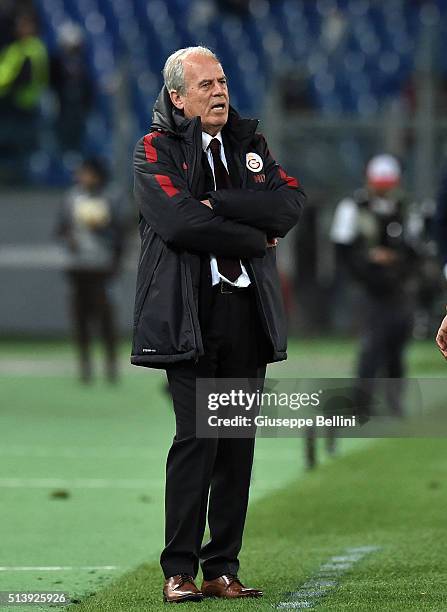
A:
216	276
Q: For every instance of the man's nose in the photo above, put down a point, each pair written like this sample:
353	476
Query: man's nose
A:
218	89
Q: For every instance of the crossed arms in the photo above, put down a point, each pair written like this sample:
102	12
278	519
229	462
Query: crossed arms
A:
238	222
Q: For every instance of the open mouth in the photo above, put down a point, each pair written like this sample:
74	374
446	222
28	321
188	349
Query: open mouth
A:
220	106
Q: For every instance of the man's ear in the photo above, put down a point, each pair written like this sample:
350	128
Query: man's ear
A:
177	99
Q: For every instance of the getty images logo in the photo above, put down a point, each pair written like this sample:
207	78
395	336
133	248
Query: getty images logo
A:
242	399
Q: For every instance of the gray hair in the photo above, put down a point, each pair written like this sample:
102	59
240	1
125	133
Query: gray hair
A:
173	72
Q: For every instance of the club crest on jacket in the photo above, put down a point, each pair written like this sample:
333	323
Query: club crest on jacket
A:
254	162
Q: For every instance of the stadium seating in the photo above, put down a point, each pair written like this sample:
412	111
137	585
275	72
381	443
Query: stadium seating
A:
356	53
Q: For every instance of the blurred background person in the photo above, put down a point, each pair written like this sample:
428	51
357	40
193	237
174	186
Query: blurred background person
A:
23	79
91	228
73	86
370	233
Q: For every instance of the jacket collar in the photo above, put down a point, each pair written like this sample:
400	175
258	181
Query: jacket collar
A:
169	119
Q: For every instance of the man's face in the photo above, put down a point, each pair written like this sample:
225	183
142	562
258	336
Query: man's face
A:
381	190
206	93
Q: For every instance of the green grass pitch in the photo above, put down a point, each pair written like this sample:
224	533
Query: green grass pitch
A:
81	493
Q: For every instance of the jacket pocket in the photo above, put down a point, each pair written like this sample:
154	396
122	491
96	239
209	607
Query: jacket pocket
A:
268	288
164	327
190	303
146	273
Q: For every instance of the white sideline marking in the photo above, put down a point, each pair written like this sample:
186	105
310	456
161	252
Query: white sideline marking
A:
318	585
56	568
295	604
336	566
76	483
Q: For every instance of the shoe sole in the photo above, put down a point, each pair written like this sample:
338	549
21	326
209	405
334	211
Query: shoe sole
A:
183	599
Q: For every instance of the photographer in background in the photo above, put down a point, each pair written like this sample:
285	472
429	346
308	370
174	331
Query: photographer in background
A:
370	233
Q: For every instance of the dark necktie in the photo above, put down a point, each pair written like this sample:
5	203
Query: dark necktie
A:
228	267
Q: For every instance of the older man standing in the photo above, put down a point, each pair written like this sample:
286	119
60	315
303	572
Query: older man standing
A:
212	203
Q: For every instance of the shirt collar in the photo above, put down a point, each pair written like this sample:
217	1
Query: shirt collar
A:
207	138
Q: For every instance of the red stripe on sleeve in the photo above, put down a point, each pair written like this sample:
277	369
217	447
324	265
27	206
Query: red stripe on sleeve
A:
151	151
290	180
166	184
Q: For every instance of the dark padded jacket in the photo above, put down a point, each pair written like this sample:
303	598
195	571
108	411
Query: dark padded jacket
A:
380	281
176	230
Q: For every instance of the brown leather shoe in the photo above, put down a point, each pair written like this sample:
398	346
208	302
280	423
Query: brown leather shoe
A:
181	588
228	586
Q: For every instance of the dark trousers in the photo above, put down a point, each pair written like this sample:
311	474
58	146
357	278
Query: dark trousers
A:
202	468
90	304
385	334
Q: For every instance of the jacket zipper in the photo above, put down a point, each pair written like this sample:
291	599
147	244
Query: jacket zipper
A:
244	184
192	170
193	175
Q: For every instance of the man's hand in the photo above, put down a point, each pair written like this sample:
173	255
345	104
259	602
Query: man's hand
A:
441	337
207	203
382	256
